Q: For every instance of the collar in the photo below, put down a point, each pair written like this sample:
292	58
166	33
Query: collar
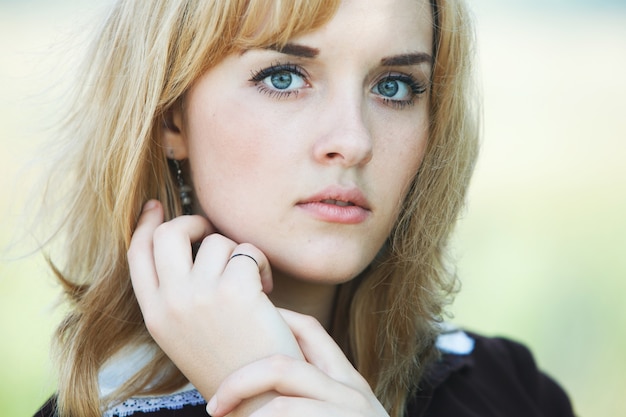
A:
456	348
455	345
126	363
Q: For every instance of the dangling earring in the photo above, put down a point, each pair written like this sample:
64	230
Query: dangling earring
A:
184	190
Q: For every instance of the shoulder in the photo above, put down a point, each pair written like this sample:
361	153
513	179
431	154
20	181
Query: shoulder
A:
477	375
48	409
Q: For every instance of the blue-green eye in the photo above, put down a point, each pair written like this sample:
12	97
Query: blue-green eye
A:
279	79
398	89
389	88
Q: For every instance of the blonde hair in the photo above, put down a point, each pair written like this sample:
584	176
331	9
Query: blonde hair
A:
396	308
134	73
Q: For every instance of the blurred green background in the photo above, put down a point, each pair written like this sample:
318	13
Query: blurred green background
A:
540	249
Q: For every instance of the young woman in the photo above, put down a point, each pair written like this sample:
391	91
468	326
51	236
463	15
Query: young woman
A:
261	200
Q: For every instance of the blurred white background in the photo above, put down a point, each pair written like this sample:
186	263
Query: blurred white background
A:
541	247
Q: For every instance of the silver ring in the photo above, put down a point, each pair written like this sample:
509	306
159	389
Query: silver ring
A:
246	255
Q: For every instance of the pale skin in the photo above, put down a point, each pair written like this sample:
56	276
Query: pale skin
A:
299	158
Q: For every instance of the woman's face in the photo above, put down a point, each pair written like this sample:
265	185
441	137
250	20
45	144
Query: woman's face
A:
307	152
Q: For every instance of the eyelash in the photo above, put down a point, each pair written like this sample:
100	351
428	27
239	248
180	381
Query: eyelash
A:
257	77
417	89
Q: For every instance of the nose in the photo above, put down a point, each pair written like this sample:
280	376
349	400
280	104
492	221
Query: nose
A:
345	138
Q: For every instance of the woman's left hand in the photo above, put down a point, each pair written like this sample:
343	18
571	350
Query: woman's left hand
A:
325	385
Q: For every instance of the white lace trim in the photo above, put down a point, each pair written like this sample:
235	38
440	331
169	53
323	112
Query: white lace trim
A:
152	404
123	366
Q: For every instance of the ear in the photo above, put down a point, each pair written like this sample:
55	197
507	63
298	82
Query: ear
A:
172	134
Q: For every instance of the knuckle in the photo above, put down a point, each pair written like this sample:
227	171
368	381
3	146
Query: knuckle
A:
279	406
209	239
163	231
247	248
279	364
216	238
229	384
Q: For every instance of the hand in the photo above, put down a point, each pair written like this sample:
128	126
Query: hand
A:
325	385
210	316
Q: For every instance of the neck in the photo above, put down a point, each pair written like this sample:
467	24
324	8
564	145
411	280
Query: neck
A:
308	298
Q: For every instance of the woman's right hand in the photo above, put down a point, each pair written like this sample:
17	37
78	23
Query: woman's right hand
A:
211	316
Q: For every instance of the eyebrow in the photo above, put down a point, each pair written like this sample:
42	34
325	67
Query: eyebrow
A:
391	61
296	50
407	59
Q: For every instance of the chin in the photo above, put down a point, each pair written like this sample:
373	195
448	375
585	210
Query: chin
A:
332	272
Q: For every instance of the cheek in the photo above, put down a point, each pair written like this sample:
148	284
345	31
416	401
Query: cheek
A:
403	152
240	160
224	146
417	141
400	164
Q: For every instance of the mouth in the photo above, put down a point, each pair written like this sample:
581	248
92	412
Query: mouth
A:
338	202
337	205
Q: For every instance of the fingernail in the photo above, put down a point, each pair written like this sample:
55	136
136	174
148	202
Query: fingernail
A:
149	205
211	407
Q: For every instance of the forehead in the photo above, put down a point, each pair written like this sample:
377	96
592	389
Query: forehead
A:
397	25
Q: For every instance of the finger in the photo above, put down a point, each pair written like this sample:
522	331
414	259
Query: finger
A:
140	252
248	261
172	246
279	373
302	407
319	348
212	256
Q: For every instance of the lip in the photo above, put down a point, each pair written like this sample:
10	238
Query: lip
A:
337	205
